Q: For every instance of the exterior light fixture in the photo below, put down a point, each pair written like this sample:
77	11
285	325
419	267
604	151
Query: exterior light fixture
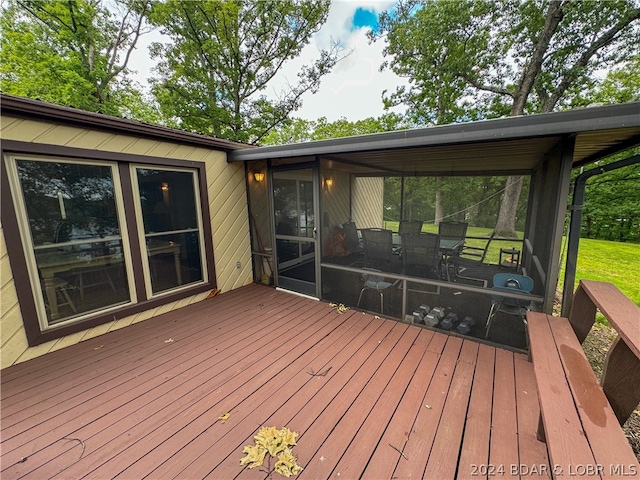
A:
164	187
258	176
328	182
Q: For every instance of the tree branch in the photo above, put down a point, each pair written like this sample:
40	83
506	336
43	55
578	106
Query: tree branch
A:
531	70
570	75
489	88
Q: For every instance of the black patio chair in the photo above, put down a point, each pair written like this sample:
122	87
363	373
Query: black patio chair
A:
452	230
378	248
421	255
469	257
410	226
351	237
421	258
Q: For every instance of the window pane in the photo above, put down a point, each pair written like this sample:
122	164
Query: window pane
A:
82	278
172	232
77	244
68	201
174	260
168	200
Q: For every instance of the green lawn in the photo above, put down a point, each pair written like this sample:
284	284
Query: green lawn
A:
605	261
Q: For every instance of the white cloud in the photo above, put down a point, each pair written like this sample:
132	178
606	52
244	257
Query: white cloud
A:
352	90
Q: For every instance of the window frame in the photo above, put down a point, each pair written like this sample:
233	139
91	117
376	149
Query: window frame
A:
141	230
29	249
19	262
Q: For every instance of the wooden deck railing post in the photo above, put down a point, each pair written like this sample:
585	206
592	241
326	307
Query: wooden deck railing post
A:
583	313
621	379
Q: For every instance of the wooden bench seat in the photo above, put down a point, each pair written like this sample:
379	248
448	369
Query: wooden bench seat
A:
582	432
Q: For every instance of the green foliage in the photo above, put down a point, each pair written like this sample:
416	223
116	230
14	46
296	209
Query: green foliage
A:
502	57
300	130
222	56
611	209
72	53
622	84
475	200
491	58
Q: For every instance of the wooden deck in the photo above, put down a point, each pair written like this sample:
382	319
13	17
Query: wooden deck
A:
388	400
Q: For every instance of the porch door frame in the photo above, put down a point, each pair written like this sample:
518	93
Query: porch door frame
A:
291	284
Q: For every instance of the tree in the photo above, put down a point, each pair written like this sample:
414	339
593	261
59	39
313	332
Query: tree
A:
621	85
73	53
301	130
222	56
506	57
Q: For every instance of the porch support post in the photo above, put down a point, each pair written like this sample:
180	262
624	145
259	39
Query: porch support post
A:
575	226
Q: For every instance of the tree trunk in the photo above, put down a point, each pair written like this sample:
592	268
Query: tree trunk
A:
506	224
439	209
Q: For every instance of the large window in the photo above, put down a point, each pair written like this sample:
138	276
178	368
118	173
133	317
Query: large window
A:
171	227
101	236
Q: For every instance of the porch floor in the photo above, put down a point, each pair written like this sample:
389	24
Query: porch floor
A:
370	398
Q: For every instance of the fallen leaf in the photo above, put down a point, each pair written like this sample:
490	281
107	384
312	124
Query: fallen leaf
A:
98	347
428	406
255	455
171	340
224	417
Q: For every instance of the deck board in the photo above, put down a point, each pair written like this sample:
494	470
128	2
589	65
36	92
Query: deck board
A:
504	425
477	433
145	401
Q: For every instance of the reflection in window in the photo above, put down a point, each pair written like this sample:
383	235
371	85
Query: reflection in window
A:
173	237
75	236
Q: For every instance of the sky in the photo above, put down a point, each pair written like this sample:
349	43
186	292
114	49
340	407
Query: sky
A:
353	90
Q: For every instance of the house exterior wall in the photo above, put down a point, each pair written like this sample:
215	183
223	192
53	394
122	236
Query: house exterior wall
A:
228	218
368	202
335	198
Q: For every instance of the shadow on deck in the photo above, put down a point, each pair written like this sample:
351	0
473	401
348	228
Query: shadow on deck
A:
371	398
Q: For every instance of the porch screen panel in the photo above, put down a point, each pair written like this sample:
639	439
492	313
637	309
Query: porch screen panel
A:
75	236
169	202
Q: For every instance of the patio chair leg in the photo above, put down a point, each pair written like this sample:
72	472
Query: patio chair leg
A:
381	303
360	297
492	314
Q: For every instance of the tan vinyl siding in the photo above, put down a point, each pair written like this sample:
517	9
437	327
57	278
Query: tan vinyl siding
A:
368	202
335	199
229	226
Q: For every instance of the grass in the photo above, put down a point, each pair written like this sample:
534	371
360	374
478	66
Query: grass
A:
605	261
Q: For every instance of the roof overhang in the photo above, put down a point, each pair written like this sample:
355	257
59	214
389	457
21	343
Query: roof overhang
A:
501	146
26	108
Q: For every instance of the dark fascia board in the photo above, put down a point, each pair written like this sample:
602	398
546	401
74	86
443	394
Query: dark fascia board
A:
38	110
527	126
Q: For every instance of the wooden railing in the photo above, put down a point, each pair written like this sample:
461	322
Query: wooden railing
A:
621	375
